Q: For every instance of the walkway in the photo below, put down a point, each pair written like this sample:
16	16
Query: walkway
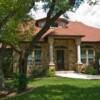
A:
72	74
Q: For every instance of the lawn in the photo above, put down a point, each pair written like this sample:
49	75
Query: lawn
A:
61	89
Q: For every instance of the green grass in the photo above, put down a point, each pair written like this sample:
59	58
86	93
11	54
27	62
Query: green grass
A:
61	89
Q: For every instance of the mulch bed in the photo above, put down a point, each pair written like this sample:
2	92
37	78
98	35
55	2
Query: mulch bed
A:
10	93
5	93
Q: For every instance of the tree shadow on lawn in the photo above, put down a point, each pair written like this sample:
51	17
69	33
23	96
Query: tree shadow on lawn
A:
61	92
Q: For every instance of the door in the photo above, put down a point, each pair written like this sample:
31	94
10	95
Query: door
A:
60	59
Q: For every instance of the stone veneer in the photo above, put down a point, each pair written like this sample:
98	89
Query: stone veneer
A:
95	46
70	54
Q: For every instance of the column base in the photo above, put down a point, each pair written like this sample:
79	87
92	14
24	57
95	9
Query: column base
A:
51	70
52	65
80	68
29	70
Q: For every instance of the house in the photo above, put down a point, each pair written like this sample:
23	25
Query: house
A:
65	46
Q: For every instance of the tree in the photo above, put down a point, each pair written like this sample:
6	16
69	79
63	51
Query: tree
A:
13	12
56	9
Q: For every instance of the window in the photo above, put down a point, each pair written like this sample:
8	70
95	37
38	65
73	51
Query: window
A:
83	56
77	3
54	25
30	59
90	56
87	56
38	56
42	24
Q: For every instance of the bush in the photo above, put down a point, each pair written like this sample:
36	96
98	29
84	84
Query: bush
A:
51	71
97	55
19	82
91	70
22	82
39	71
15	80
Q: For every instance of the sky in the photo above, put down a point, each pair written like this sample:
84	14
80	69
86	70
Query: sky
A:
86	13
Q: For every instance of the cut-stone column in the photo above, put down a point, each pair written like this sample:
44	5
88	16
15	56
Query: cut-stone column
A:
51	51
79	63
87	60
78	43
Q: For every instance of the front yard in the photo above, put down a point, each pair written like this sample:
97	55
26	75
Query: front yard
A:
61	89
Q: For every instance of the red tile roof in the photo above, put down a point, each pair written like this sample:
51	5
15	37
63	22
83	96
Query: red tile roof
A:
76	29
91	34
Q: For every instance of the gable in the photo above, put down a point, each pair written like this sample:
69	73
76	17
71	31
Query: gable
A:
59	23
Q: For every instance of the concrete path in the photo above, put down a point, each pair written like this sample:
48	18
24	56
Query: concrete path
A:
72	74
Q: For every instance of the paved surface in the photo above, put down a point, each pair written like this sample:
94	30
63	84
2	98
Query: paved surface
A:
72	74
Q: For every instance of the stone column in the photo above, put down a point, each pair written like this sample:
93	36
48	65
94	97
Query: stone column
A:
79	63
87	60
78	43
51	51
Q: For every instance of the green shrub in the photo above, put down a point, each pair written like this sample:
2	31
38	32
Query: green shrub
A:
19	82
91	70
51	71
22	82
15	80
97	55
39	71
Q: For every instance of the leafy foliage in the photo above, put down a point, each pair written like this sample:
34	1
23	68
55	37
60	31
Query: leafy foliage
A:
22	82
91	70
98	55
12	13
56	5
51	71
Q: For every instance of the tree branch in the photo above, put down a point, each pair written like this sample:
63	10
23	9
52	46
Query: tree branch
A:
15	48
46	27
50	12
10	44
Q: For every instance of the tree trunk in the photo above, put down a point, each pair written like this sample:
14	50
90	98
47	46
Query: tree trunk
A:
2	85
23	71
24	54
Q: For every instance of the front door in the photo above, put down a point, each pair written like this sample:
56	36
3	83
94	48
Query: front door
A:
60	59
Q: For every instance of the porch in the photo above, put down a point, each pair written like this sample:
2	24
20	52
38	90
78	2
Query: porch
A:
64	52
